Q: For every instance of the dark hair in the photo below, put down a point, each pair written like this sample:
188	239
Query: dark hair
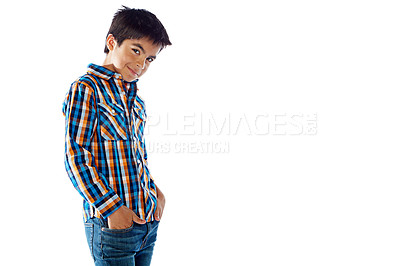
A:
130	23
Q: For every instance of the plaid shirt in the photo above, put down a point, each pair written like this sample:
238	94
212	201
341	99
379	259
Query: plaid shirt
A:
105	153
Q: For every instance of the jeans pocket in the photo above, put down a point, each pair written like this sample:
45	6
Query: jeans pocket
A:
89	236
120	242
118	231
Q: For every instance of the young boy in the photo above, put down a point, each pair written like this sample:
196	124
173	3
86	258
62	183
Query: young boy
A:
105	152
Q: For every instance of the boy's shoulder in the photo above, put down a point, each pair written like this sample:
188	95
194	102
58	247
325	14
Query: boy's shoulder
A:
87	80
94	76
85	84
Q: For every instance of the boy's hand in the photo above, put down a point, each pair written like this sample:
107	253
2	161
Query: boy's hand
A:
160	205
123	218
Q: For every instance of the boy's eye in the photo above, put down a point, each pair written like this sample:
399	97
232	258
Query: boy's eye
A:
150	59
136	51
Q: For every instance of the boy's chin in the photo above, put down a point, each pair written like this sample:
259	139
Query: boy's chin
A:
130	78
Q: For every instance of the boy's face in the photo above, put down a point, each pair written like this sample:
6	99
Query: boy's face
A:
131	58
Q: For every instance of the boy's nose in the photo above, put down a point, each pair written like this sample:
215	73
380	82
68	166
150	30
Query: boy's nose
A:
142	65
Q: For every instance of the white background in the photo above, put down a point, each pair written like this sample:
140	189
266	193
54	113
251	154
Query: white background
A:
329	198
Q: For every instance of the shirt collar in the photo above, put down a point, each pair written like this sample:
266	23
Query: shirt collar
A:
104	73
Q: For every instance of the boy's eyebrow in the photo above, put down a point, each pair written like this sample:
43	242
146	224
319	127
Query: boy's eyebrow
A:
141	48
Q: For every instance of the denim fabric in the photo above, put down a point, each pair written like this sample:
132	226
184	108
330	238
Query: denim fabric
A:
132	246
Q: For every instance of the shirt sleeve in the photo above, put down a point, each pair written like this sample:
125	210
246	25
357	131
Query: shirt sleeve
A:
81	123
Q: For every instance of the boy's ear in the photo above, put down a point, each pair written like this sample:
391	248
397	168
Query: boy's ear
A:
111	42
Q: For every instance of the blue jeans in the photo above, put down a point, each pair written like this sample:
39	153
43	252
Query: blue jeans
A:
132	246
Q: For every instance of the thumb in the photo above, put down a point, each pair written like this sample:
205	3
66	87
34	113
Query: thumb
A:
136	219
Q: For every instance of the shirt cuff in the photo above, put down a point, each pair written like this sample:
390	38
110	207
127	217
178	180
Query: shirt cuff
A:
108	204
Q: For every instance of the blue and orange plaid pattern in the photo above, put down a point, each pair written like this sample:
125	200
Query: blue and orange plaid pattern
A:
105	152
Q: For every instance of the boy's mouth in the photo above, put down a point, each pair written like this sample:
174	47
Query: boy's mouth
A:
133	72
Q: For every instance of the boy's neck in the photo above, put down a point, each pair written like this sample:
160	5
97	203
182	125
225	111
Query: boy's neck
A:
107	64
